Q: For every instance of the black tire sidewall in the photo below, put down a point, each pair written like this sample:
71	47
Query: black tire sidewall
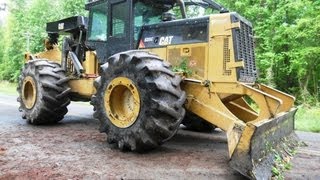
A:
138	79
161	110
31	71
38	114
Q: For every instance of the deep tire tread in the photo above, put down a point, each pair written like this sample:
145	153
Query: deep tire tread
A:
52	86
162	99
52	92
50	73
64	94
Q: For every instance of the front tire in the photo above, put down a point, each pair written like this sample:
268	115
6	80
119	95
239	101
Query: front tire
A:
138	101
43	92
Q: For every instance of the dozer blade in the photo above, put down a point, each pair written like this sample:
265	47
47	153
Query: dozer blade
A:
261	141
255	137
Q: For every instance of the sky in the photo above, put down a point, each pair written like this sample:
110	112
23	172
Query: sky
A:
3	14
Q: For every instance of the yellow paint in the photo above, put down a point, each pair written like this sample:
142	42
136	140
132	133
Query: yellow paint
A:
122	102
29	92
217	53
232	65
52	55
288	100
90	64
213	91
27	57
194	54
232	26
221	51
161	52
243	145
83	87
223	105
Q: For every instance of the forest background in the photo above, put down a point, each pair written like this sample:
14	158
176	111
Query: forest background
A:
287	40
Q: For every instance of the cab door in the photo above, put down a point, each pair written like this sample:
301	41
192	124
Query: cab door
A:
119	34
109	27
98	28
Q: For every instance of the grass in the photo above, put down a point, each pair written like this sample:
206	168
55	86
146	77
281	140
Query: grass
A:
308	119
8	88
282	158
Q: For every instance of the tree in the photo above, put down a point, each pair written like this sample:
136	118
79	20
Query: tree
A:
73	7
287	43
13	51
1	44
286	32
29	18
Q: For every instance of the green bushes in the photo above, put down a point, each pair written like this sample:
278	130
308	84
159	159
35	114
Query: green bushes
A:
286	32
287	44
29	17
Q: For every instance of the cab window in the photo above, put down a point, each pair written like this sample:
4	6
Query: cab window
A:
98	22
118	20
145	15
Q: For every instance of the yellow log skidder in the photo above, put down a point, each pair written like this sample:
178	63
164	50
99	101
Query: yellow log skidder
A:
147	67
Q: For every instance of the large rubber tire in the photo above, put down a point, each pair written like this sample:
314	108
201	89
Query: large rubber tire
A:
161	100
193	122
51	92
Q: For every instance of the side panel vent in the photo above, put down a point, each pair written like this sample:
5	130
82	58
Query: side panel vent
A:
226	57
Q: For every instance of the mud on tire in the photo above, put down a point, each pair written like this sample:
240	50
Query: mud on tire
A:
161	100
51	92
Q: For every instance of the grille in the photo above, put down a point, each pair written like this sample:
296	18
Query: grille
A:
244	43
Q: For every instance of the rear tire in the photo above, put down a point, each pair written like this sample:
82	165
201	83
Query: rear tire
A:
193	122
160	101
43	92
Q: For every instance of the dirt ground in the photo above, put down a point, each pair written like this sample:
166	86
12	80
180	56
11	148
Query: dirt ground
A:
74	149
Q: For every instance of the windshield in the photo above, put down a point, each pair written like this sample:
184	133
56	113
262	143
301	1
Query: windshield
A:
145	15
194	8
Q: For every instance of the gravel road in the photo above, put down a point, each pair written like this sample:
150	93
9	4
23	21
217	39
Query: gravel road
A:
74	149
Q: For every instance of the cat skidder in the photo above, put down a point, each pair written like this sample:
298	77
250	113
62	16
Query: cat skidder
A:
145	64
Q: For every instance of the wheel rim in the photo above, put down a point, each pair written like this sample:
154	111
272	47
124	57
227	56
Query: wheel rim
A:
122	102
29	92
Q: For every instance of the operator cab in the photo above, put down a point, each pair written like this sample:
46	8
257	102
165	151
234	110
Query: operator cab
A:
117	25
110	28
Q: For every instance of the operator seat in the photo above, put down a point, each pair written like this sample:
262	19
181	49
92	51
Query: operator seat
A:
168	16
